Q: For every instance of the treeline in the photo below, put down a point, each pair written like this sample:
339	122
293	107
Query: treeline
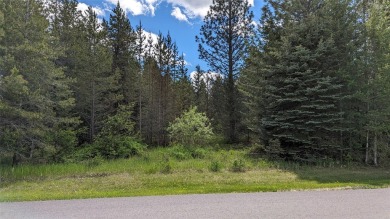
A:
317	85
73	84
310	82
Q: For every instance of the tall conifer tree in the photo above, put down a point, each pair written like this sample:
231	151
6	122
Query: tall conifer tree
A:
304	82
122	39
222	44
40	122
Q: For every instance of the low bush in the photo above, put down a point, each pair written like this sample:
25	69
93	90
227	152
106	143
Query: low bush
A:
109	147
215	166
199	153
93	162
166	166
83	153
191	128
113	147
238	166
179	152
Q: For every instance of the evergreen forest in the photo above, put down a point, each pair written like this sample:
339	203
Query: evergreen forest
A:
308	82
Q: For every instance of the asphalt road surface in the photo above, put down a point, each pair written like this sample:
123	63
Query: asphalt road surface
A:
369	203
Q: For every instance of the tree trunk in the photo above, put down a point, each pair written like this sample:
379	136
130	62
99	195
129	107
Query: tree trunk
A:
375	149
367	147
92	128
140	104
231	94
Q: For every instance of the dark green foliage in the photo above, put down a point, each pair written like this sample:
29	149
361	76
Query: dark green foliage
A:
312	84
223	45
252	88
96	89
122	41
304	87
84	153
309	84
113	147
115	140
218	99
36	101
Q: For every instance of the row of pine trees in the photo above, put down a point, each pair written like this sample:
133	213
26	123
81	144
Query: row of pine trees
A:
310	82
317	82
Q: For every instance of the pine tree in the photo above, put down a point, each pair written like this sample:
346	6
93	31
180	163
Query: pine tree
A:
377	43
218	99
122	39
45	116
66	29
303	79
151	77
222	44
251	86
140	54
94	84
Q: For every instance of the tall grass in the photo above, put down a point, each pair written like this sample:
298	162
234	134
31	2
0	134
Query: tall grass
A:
177	170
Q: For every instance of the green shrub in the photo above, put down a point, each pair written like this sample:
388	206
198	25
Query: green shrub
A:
179	152
238	166
215	166
166	166
113	147
109	147
83	153
116	137
199	153
191	128
93	162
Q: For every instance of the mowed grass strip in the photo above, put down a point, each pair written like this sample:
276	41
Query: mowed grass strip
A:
149	175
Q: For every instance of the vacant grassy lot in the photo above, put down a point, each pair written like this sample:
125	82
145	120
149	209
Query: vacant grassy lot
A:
178	171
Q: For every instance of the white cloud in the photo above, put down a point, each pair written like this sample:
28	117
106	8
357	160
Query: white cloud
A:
176	12
207	77
151	35
83	7
192	8
181	8
133	6
137	7
152	4
196	8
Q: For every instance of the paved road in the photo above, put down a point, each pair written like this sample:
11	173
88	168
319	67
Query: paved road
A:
307	204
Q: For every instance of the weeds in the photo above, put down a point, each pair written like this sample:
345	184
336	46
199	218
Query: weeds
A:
166	166
148	175
238	166
215	166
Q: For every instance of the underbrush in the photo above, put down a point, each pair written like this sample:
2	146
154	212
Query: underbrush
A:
178	170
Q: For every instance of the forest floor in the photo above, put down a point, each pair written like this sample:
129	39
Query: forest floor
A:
171	171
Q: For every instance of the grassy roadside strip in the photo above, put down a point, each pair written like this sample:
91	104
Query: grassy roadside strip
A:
161	172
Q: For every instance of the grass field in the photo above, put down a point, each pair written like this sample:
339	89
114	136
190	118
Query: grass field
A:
169	171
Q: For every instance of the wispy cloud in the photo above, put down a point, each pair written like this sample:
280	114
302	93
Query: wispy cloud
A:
198	8
183	10
176	12
83	7
137	7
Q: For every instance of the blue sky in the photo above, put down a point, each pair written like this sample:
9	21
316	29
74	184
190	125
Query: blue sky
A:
182	18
